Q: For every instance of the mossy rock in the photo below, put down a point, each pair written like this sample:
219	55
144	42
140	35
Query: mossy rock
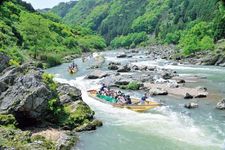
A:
17	139
76	114
132	86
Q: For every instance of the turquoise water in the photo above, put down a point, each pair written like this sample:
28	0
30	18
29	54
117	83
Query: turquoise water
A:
170	127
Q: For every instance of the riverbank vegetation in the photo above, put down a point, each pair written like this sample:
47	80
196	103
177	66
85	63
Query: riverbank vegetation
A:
192	25
26	34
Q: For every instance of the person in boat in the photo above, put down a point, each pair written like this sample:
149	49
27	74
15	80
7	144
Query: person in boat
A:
103	89
128	100
121	99
143	98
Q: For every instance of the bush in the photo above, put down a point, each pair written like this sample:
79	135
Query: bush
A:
131	86
130	40
48	80
172	38
53	60
8	120
199	37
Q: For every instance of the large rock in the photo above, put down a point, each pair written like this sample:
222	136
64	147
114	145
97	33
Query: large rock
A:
221	105
68	93
27	98
191	105
122	56
188	96
201	95
89	126
113	67
158	91
97	74
114	63
166	75
4	61
125	68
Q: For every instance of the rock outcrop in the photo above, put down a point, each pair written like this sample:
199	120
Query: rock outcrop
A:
191	105
97	74
4	61
221	105
68	93
26	95
29	98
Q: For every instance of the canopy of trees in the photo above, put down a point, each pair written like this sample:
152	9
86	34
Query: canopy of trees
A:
167	20
25	31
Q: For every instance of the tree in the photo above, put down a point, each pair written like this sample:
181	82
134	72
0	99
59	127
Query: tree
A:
35	32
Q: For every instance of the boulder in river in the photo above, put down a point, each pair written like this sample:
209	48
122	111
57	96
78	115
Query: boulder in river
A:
201	88
113	67
122	56
114	63
201	95
191	105
68	93
188	96
97	74
124	68
221	105
158	91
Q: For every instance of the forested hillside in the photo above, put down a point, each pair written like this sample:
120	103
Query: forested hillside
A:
25	34
63	8
192	24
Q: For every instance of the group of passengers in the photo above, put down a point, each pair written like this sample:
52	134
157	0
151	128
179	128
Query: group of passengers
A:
119	96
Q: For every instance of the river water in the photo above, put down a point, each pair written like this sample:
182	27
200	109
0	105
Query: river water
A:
170	127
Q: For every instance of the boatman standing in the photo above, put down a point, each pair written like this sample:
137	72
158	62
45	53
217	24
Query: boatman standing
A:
143	98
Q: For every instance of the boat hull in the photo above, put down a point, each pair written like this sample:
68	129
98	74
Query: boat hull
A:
134	107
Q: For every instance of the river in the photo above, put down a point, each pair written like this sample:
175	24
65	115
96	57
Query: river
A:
170	127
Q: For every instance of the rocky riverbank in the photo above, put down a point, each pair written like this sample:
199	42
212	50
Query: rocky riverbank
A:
38	113
215	57
150	78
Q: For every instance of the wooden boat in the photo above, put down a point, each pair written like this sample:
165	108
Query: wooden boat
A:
72	71
135	106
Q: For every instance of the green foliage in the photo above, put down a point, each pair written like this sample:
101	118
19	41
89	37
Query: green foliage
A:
199	37
8	120
73	119
130	40
91	43
53	60
49	145
24	31
172	38
35	32
63	8
219	22
17	139
131	86
168	20
55	107
48	80
148	21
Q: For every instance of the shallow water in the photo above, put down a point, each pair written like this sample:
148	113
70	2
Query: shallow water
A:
170	127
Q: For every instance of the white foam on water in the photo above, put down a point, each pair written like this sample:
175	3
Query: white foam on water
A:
165	123
223	148
180	66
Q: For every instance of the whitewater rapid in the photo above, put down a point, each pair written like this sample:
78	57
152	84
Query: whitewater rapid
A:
162	122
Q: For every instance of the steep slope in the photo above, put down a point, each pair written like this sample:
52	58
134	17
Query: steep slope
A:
168	20
23	31
63	8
